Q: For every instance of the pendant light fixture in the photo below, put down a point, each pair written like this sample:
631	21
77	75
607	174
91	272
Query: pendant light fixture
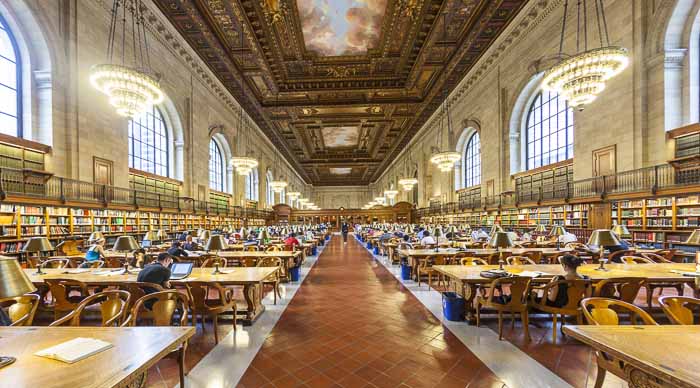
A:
244	165
278	185
445	160
408	181
127	79
579	78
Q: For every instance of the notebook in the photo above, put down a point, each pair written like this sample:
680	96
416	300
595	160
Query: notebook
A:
74	350
531	274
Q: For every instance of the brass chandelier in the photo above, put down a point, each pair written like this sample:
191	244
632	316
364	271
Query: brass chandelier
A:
244	165
127	80
580	78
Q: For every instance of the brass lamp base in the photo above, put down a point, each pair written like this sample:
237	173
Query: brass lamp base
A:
5	361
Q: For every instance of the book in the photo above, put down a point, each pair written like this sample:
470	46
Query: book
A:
74	350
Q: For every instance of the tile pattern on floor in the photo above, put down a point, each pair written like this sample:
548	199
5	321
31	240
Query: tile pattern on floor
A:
352	325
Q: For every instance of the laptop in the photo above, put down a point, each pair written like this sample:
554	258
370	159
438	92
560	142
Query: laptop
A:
145	243
180	270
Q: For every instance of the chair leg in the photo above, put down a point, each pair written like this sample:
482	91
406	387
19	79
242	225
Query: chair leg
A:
478	313
650	294
525	318
681	289
512	320
554	328
500	326
600	377
430	279
216	328
181	364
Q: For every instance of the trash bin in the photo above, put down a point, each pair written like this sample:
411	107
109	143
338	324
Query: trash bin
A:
452	306
369	245
405	272
314	251
376	250
294	274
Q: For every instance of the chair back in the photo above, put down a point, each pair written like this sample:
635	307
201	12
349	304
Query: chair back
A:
55	263
22	310
656	258
679	309
252	248
472	261
273	248
164	304
114	262
624	289
60	289
519	287
576	291
213	261
92	264
635	260
248	261
604	311
614	257
113	307
534	256
519	260
138	290
668	254
269	262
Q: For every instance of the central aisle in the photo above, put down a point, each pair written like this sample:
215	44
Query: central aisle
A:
351	324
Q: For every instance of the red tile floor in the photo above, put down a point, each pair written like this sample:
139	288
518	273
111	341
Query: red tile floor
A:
351	324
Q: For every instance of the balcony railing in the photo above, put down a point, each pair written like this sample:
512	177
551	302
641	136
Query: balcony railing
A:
29	184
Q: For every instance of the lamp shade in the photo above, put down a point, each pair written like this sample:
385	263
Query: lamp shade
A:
151	235
162	235
603	237
501	240
621	231
37	244
263	234
13	281
540	229
216	243
125	244
204	235
694	237
557	230
495	229
94	236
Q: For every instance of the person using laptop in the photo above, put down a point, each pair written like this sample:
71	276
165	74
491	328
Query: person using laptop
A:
176	250
157	272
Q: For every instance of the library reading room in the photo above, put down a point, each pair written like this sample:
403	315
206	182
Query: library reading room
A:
349	193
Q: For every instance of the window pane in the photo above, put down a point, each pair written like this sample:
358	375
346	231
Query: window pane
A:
150	143
549	131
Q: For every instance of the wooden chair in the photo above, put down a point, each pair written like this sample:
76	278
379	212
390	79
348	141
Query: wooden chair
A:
668	254
247	261
519	260
55	263
138	290
113	307
164	304
635	260
517	303
601	313
535	256
273	248
615	257
114	262
63	301
472	261
576	290
252	248
652	286
656	258
212	261
92	264
21	309
274	279
678	309
624	289
425	267
202	305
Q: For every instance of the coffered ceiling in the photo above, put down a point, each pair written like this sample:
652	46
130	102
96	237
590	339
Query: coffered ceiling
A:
340	86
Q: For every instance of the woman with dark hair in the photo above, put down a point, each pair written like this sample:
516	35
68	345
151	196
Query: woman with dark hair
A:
557	296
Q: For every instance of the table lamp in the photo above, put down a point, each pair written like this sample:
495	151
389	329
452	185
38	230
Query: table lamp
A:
162	235
500	240
694	237
94	236
495	229
38	245
216	243
540	228
13	283
151	236
126	244
557	230
621	231
602	238
204	235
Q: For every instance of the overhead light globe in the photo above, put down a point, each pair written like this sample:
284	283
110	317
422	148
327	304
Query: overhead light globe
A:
391	194
278	186
408	183
293	195
129	90
445	161
244	165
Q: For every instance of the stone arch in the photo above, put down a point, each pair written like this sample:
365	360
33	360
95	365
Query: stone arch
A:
469	128
516	124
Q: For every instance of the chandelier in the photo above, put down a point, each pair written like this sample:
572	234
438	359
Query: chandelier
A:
278	186
408	183
379	200
302	201
130	84
581	77
244	165
391	194
293	195
445	160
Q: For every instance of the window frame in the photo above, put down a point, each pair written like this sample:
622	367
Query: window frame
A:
536	109
216	154
19	87
252	186
156	136
471	165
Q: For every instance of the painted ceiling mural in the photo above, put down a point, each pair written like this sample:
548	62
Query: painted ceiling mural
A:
340	83
341	27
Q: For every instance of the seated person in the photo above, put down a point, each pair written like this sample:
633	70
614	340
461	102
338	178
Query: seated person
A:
406	238
440	238
190	245
156	272
526	237
427	239
558	296
567	238
385	236
183	236
291	241
421	232
176	250
479	234
96	250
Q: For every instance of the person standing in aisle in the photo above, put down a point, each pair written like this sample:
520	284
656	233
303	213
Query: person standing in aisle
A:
344	231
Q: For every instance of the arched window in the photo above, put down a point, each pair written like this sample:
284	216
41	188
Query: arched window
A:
10	83
269	194
252	183
148	143
472	161
415	190
216	167
550	131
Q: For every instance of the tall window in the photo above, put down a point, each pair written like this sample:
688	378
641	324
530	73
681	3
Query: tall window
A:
251	186
216	167
268	189
550	131
472	161
10	83
148	143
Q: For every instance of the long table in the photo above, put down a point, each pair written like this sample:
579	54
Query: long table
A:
650	356
467	278
251	278
124	365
